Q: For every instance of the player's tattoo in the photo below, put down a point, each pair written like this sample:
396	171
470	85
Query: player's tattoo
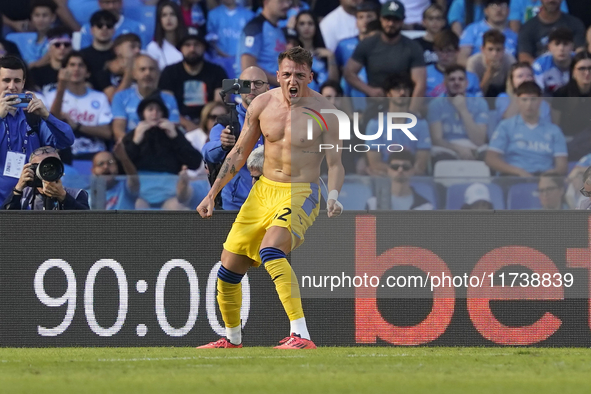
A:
248	114
225	169
309	151
233	170
239	150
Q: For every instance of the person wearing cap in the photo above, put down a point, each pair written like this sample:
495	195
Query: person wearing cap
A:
477	196
102	28
552	70
262	40
123	25
402	195
59	40
158	147
340	23
404	56
193	81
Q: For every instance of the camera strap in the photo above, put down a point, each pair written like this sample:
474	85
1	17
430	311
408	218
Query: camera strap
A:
25	143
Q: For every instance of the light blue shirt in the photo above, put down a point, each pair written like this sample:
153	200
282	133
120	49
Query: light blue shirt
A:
524	10
532	149
436	85
343	53
123	26
472	36
548	76
31	51
420	130
82	10
224	26
503	101
263	41
457	12
125	105
585	161
441	110
142	13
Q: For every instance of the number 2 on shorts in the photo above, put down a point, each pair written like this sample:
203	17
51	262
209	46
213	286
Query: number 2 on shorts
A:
283	215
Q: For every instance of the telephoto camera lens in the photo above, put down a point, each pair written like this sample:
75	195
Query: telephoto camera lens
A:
50	169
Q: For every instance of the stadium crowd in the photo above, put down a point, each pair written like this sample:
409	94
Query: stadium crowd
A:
501	90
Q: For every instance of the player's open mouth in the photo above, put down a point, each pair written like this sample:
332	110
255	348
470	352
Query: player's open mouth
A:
293	92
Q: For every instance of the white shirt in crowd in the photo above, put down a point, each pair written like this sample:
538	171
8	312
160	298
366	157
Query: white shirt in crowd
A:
91	109
337	26
166	55
197	138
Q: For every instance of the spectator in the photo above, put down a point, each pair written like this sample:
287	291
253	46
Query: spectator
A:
157	147
588	39
86	110
170	28
586	190
47	129
222	140
366	14
8	48
492	64
496	12
102	28
123	25
82	10
254	163
60	45
262	40
506	104
33	45
406	56
552	70
144	12
119	194
194	81
296	7
402	195
525	145
570	106
433	22
125	102
398	89
224	26
462	13
415	12
324	66
118	75
477	196
521	11
50	196
551	192
334	93
533	36
457	124
194	13
446	46
340	23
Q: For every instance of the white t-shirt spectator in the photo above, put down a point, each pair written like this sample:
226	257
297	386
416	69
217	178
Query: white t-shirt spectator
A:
337	26
166	55
92	109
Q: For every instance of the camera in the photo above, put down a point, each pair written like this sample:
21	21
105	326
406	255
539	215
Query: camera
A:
25	100
235	86
49	169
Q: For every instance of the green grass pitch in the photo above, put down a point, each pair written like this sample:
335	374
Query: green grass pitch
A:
325	370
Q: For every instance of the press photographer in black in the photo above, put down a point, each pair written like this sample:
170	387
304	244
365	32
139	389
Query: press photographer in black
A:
40	187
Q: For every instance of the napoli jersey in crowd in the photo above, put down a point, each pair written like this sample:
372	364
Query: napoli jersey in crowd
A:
548	76
291	13
123	26
473	34
532	148
441	110
225	26
119	197
262	40
524	10
30	50
343	53
503	101
320	70
584	161
92	109
142	13
420	130
82	10
125	105
457	12
436	85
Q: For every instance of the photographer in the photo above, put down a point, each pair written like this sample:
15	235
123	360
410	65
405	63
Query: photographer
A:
50	196
221	141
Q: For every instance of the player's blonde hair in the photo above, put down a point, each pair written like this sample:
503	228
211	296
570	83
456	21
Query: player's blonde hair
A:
298	55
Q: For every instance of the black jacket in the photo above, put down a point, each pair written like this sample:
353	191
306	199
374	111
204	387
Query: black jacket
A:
76	199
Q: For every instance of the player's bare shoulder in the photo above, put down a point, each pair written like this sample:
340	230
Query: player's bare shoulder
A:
260	103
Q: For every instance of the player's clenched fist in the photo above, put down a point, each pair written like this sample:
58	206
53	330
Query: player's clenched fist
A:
205	209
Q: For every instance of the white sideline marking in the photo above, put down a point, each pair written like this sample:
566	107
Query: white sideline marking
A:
188	358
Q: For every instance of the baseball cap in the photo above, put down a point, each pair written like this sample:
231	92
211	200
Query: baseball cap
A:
476	192
192	34
156	98
393	9
368	6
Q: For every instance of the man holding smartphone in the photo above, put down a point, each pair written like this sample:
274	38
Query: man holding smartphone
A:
23	130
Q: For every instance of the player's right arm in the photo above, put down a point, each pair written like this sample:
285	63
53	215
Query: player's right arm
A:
251	132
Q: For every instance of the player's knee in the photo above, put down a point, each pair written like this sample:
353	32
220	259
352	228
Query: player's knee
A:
228	276
270	254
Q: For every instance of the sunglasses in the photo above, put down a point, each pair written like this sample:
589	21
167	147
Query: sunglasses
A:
41	151
585	192
62	44
102	163
257	84
404	166
101	25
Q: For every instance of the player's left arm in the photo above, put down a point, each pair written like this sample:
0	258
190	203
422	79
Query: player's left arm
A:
336	171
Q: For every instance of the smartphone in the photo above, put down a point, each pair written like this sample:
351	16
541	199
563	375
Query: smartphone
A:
25	100
236	86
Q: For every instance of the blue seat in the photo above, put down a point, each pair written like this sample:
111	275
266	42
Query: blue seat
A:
455	195
426	190
524	196
571	165
354	195
84	167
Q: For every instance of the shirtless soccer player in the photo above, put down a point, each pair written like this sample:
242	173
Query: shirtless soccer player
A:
283	203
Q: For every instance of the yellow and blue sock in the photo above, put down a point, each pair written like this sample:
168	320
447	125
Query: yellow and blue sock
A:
230	301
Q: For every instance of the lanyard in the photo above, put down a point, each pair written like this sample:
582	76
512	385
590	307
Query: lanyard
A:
24	148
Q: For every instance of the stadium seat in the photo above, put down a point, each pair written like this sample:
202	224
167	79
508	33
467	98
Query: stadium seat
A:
455	195
84	167
425	189
449	172
524	196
